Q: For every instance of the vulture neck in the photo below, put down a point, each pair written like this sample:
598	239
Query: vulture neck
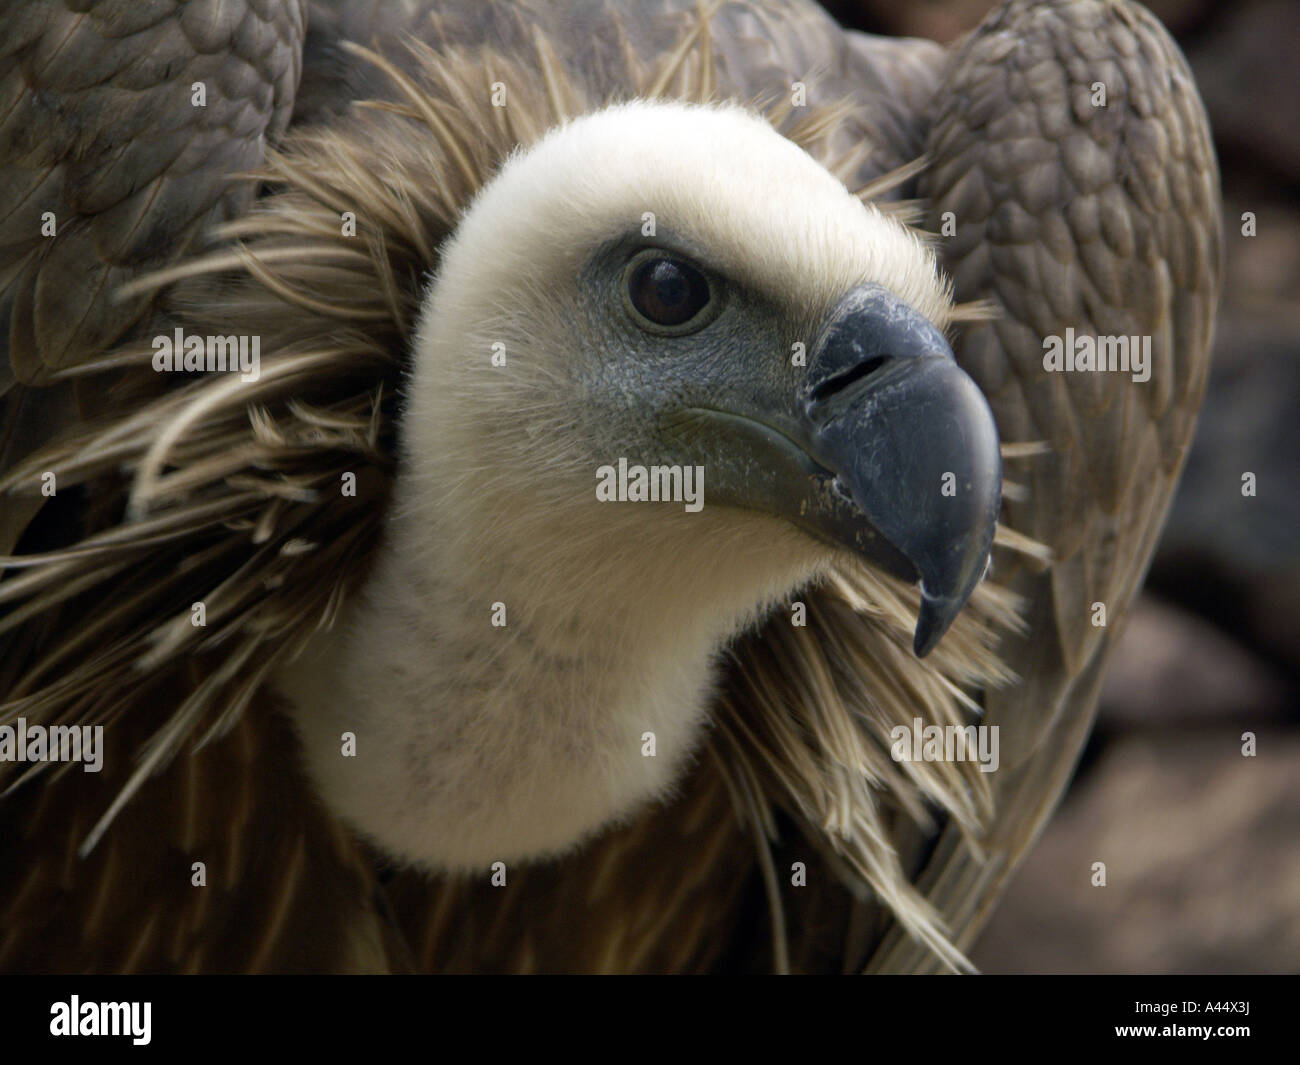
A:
506	702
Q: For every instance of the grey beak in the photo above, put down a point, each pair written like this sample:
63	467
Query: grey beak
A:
910	439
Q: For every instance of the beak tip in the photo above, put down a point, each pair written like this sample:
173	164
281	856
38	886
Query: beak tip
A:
931	623
939	611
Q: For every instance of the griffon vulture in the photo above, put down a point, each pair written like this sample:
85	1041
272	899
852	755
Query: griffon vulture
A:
645	411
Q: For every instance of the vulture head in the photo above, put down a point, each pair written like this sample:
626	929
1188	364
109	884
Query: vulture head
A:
655	290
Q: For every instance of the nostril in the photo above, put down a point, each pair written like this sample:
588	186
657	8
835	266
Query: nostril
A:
842	380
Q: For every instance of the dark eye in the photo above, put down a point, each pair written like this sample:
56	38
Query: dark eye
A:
667	292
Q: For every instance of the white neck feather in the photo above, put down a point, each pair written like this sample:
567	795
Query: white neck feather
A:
478	742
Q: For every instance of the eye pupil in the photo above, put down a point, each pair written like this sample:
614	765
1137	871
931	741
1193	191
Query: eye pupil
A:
667	292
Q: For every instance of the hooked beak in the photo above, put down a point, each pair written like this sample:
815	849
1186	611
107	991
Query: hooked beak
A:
910	439
889	450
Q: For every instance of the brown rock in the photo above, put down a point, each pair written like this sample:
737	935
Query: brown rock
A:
1202	854
1171	666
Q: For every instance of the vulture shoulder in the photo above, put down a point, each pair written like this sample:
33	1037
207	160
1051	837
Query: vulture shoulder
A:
1073	156
118	135
1058	158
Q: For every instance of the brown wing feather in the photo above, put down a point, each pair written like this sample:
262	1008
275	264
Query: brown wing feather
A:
102	132
286	889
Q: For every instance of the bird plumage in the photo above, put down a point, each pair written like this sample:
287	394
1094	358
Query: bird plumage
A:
231	496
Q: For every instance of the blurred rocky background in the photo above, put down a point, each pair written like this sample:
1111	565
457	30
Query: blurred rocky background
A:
1201	844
